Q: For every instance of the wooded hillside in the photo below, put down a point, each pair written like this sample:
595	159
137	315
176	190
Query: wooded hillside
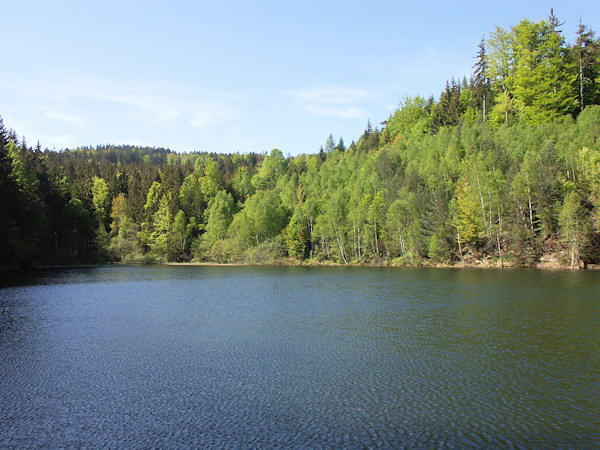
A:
504	166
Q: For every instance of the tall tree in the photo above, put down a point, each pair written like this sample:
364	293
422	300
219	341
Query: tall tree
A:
220	215
500	61
573	226
449	108
330	144
480	82
586	54
101	200
543	84
272	168
181	235
161	227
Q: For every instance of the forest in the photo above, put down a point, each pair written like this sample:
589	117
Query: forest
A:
502	169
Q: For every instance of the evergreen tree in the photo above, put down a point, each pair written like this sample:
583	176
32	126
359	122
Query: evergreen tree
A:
439	180
586	56
480	85
330	144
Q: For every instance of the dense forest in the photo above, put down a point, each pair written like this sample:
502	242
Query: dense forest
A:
504	168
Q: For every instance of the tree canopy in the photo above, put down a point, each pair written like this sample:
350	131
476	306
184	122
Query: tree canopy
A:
502	166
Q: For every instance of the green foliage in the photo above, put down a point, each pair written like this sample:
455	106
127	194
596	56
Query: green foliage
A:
464	212
586	53
153	198
265	214
296	236
573	226
404	227
24	177
191	197
101	200
436	251
506	165
271	169
80	231
161	227
242	184
181	236
220	215
267	252
118	212
410	119
124	245
210	181
543	85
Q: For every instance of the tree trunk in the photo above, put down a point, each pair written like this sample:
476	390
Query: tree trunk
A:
487	232
522	211
402	248
376	242
498	234
530	207
484	107
340	243
354	238
581	82
506	110
310	229
359	247
490	211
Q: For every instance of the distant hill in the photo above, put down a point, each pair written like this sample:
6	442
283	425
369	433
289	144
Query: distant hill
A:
503	169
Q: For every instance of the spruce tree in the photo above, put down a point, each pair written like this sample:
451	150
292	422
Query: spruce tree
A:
479	81
585	54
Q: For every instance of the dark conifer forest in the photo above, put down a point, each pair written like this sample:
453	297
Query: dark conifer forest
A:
502	169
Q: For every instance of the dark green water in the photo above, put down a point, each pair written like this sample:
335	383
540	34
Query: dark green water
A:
300	357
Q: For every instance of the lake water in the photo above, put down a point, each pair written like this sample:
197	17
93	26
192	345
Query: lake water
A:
300	357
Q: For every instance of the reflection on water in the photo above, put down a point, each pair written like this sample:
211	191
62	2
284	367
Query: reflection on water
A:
263	357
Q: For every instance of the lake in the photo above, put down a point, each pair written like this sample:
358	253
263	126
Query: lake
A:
202	356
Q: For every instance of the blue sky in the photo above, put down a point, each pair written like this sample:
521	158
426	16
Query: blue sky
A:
236	76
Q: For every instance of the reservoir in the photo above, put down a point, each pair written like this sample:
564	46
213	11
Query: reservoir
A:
238	357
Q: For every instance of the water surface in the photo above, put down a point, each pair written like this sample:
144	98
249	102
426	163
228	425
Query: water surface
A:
269	356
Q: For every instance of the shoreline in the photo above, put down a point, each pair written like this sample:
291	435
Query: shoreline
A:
458	265
542	265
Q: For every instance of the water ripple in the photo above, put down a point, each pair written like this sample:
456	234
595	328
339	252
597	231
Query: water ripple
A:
271	357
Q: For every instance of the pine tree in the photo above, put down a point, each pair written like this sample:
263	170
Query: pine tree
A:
479	82
330	144
585	53
449	108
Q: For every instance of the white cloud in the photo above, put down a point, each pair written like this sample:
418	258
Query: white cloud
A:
204	114
153	107
132	100
70	109
336	95
201	119
349	112
72	119
336	101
